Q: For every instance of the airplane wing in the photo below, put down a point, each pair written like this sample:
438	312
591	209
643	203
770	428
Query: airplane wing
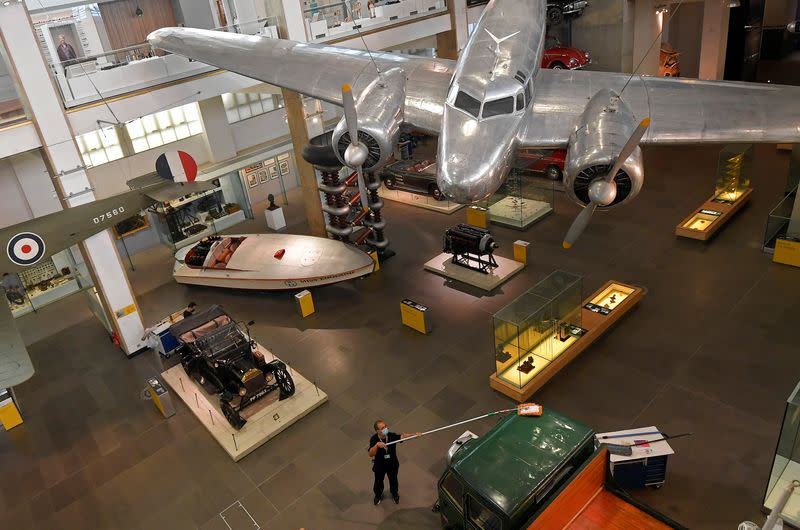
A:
316	70
683	111
15	363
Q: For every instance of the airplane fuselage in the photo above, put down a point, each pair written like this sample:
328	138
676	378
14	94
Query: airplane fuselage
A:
489	98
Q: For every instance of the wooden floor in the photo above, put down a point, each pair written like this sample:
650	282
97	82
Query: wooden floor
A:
609	512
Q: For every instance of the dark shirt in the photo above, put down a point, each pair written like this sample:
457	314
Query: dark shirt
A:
385	458
187	313
66	52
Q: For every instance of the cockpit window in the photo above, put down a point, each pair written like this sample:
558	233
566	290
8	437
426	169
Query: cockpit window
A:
467	103
520	101
498	107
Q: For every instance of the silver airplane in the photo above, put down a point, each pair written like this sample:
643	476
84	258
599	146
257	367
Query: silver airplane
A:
496	100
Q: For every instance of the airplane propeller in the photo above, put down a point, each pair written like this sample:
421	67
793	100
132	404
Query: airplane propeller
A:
602	192
356	153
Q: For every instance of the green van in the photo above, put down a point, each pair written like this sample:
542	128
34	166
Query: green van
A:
498	481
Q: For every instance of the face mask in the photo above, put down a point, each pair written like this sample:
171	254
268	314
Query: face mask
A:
385	431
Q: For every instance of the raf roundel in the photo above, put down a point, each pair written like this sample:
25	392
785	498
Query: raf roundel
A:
25	248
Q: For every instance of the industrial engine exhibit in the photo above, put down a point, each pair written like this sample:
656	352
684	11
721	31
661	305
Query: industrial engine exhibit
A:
264	258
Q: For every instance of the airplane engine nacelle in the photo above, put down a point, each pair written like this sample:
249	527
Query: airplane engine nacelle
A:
380	108
604	128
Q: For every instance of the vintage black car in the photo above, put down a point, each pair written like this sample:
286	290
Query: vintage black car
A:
220	355
416	176
558	9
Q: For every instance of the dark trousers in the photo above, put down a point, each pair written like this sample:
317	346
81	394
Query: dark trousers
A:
380	472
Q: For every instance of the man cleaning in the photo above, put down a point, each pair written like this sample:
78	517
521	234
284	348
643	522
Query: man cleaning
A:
384	459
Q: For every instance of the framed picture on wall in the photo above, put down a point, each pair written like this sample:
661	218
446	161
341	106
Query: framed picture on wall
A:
273	171
252	179
284	167
263	175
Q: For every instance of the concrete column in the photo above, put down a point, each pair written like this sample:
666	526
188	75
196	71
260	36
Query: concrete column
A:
63	159
308	177
219	138
291	20
645	31
714	43
450	43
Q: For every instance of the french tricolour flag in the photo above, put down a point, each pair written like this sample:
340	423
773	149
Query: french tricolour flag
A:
178	166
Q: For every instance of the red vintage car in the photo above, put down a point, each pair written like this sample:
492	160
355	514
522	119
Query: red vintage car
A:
551	163
561	57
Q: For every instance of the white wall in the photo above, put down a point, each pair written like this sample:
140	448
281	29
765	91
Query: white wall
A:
35	182
26	190
13	204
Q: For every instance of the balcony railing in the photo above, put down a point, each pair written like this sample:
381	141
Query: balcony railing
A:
91	78
341	19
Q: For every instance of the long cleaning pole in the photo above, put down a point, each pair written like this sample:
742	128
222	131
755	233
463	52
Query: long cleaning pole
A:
452	425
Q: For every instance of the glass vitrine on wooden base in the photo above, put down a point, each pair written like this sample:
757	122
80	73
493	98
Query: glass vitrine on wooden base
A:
786	463
533	330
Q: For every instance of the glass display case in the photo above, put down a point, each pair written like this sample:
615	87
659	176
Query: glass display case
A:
51	279
778	221
533	330
190	218
733	175
786	462
521	201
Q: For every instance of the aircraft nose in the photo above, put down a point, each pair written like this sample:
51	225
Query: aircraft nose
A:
465	186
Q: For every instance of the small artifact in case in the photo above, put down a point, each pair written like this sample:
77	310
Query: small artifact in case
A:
527	366
502	356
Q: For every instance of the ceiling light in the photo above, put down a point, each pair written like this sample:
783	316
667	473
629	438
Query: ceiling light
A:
662	9
7	3
734	3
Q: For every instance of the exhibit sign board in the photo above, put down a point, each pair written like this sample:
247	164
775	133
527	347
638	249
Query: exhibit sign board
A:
9	413
415	316
787	251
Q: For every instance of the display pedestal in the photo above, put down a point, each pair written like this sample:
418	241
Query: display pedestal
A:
507	268
518	213
275	219
421	201
595	320
704	222
265	418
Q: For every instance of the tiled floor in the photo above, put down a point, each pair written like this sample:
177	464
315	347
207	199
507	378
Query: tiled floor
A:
712	350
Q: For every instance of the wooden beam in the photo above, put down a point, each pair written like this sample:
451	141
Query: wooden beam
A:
308	177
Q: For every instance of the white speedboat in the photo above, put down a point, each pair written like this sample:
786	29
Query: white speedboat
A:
270	262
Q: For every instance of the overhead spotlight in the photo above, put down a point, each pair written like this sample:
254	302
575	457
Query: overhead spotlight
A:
139	11
6	3
793	27
734	3
661	10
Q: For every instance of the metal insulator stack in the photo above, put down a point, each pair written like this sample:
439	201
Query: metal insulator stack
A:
336	205
375	220
342	208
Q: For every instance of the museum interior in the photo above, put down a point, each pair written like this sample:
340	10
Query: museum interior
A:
217	299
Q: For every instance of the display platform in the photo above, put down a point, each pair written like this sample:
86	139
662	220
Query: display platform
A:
421	201
507	268
710	216
518	212
597	314
265	418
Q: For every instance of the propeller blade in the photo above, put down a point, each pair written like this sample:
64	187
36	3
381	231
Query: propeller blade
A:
350	117
627	150
579	225
362	188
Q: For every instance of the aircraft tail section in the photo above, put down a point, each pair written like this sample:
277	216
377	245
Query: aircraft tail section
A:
26	244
